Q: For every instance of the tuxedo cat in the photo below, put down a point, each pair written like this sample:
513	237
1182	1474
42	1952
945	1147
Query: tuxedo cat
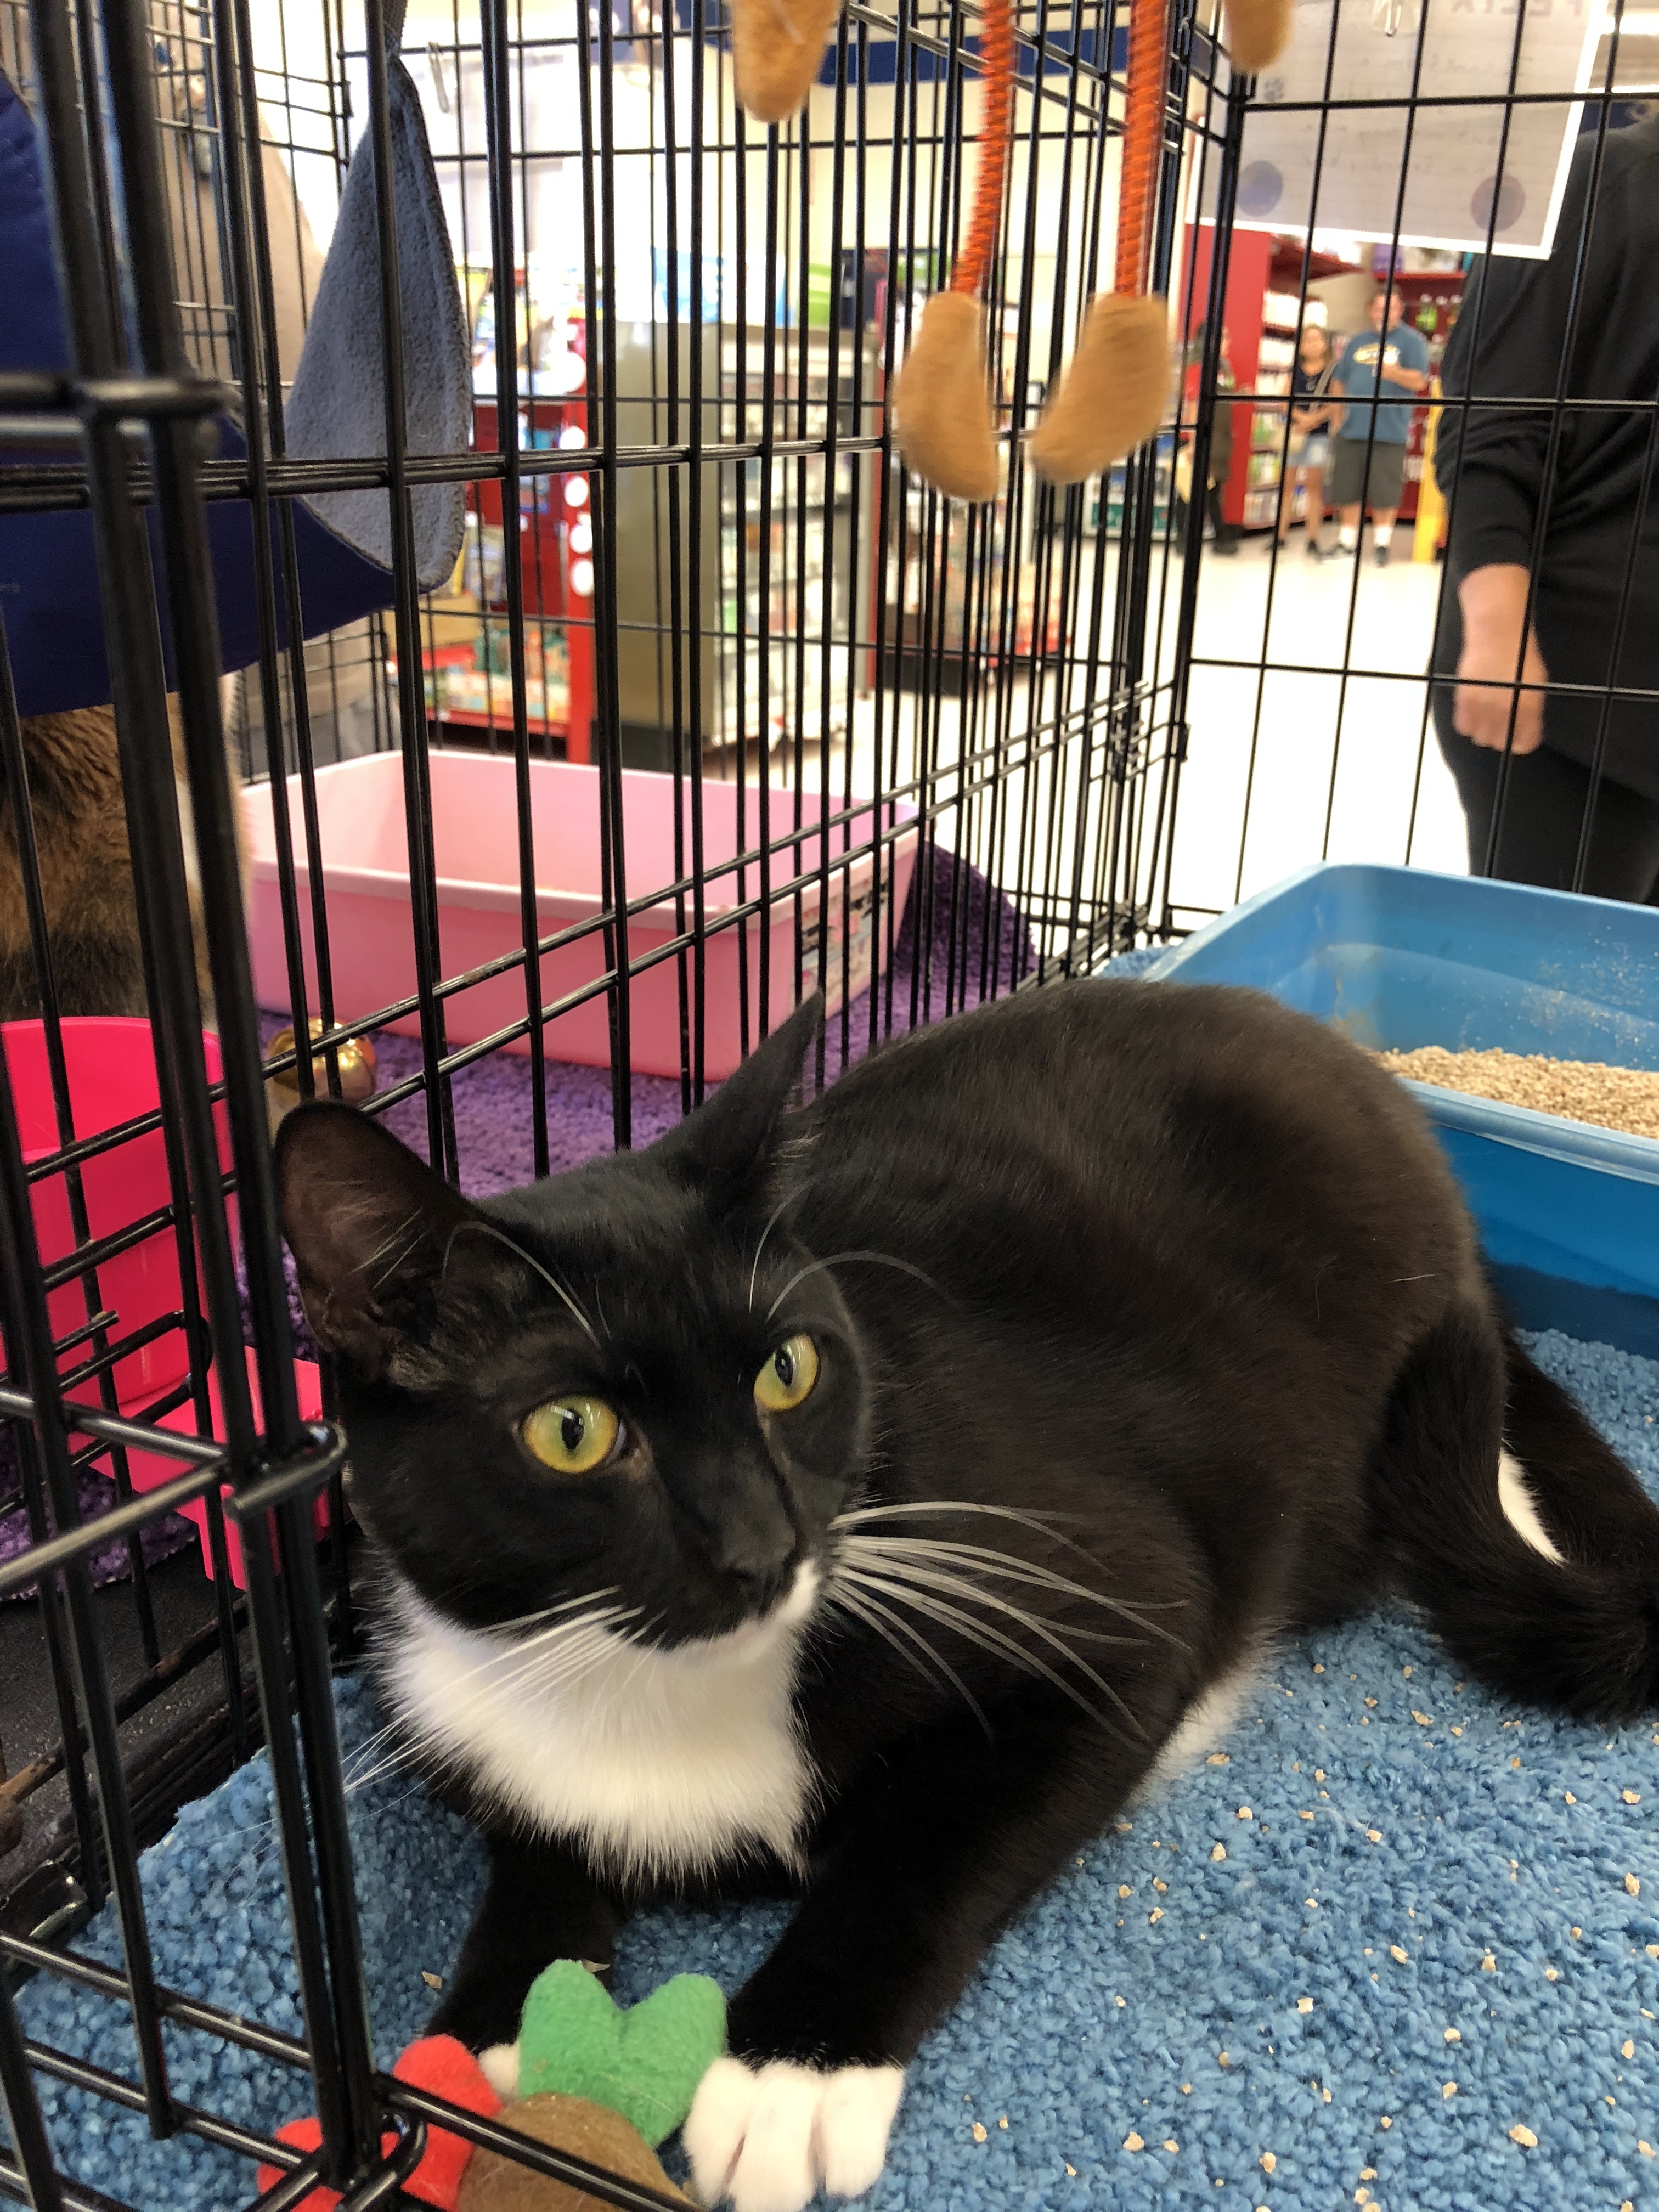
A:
863	1499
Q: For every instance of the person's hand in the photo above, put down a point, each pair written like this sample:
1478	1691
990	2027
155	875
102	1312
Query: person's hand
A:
1494	604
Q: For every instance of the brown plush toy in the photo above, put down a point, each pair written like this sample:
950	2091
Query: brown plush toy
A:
494	2183
1112	395
607	2085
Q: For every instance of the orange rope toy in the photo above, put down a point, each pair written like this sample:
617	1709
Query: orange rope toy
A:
996	142
1143	143
1113	393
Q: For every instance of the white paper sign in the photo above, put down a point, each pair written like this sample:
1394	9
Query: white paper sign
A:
1387	50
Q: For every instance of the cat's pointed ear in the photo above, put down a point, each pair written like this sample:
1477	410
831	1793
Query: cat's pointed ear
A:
726	1144
370	1225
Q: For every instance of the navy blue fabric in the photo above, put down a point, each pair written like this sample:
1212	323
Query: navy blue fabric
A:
49	593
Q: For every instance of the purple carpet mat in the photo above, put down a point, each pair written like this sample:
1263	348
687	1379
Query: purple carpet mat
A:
974	934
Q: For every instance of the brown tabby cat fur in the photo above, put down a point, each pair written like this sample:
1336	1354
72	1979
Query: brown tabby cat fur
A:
86	873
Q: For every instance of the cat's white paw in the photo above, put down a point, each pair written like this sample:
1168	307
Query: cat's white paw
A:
500	2067
770	2139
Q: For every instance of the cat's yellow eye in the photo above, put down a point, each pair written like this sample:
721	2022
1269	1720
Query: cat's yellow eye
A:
573	1436
788	1375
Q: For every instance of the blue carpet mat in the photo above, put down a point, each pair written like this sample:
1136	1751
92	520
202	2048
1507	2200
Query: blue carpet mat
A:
1401	1944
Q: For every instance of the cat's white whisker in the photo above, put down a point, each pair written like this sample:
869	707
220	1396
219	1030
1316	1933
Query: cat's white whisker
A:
840	1258
778	1213
554	1659
866	1607
952	1587
489	1229
978	1559
855	1516
993	1639
526	1648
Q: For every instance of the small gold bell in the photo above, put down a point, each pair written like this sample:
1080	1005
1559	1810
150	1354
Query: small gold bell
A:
356	1058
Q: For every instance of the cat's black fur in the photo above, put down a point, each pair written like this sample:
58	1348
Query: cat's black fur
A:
1177	1279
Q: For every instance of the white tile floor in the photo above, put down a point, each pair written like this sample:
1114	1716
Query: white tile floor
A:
1287	763
1336	761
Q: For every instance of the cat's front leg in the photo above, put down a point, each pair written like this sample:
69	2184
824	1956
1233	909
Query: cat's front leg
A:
958	1838
542	1904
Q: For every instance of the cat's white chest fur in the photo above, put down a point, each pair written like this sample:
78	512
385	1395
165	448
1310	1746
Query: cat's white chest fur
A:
667	1763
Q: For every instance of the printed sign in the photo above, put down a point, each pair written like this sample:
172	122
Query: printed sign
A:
1469	170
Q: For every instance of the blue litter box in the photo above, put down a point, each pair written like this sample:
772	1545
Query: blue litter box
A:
1398	957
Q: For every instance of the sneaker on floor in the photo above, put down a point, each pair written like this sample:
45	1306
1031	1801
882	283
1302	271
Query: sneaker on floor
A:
1380	555
1314	550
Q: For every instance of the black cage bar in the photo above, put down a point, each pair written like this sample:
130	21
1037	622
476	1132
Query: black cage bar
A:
815	726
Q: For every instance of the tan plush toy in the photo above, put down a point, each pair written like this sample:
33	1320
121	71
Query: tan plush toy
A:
1112	395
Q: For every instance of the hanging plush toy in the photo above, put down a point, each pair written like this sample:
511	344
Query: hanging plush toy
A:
584	2076
1112	395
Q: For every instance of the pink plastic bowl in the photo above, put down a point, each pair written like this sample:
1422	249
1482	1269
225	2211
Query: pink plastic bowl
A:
365	862
111	1065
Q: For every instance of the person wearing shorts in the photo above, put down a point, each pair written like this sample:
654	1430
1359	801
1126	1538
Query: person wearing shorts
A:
1307	448
1367	467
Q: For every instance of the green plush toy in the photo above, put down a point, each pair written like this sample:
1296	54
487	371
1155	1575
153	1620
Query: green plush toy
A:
603	2084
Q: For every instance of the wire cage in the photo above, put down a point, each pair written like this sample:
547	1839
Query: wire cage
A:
711	705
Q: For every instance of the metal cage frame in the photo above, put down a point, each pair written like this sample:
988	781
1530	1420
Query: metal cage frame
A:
1057	765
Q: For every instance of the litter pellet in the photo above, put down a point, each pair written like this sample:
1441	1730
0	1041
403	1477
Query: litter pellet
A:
979	2132
432	1981
1524	2137
1632	1887
1578	1090
1133	2141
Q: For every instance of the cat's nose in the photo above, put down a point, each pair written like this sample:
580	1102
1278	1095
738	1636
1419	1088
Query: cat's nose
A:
760	1558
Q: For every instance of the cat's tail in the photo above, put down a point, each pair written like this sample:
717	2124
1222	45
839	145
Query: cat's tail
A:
1531	1542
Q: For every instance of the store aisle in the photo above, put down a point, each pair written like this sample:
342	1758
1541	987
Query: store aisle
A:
1289	760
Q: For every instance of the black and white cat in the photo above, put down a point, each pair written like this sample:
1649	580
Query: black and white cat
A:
862	1500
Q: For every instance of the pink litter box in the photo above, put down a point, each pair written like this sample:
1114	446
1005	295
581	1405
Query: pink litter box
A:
110	1063
365	864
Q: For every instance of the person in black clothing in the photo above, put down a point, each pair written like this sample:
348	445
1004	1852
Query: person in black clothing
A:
1591	738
